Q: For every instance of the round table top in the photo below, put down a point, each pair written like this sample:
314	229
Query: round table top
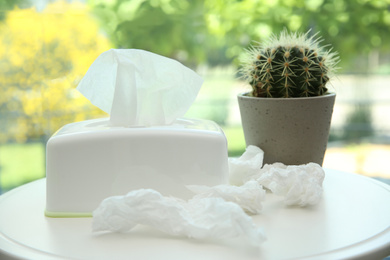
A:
351	221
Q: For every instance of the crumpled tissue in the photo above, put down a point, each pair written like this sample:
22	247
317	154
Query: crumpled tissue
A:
140	88
248	196
299	184
215	212
198	218
243	168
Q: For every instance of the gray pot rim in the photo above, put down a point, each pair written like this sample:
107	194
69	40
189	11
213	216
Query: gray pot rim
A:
243	95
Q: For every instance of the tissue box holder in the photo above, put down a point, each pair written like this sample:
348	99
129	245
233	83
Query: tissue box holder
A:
89	161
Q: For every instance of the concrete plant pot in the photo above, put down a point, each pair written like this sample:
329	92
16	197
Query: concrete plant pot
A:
289	130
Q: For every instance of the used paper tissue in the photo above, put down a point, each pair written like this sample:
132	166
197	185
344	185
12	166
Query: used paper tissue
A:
199	218
140	88
217	211
300	184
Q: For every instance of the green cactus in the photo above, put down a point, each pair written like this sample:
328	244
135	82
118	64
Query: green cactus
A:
291	65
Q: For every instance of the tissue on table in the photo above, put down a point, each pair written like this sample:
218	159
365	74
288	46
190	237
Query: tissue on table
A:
299	184
144	144
199	218
210	213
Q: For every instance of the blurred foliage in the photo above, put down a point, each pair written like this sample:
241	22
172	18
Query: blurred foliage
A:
7	5
215	31
358	124
172	28
21	163
42	57
44	54
213	101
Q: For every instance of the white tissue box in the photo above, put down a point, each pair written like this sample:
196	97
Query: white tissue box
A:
89	161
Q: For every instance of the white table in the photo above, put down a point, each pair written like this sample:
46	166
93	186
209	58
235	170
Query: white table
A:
351	221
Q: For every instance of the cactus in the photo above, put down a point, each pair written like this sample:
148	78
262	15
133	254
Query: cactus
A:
291	65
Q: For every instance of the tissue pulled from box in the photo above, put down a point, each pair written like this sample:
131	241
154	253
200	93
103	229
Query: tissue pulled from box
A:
140	88
199	218
299	184
242	169
248	196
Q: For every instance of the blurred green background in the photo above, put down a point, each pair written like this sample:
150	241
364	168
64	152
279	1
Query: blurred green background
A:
47	46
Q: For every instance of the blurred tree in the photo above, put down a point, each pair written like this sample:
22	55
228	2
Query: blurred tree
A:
7	5
172	28
215	31
43	55
358	124
354	28
42	58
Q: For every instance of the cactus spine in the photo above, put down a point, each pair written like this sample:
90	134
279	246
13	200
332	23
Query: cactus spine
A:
291	65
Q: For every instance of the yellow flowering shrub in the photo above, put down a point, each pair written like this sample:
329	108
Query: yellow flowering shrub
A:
43	56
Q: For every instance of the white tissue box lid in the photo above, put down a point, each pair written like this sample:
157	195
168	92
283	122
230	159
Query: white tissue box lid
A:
89	161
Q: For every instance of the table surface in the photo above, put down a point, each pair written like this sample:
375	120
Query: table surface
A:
351	221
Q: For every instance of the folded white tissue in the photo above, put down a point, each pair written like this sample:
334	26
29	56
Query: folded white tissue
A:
199	218
140	88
